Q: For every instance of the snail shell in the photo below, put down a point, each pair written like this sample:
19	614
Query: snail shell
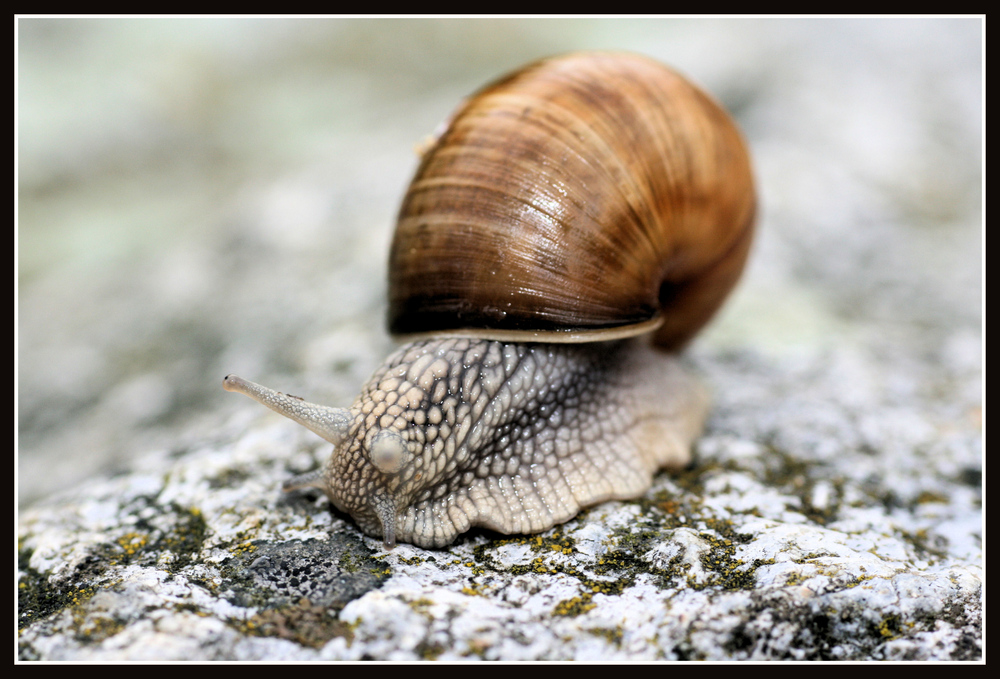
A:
581	200
585	193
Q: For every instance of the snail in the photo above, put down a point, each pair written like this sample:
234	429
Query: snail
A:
568	210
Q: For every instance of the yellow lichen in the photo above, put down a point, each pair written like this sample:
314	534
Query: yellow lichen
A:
132	543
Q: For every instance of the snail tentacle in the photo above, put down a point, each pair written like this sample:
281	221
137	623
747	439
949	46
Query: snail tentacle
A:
313	479
330	424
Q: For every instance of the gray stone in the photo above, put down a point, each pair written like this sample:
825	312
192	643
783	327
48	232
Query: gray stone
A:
208	205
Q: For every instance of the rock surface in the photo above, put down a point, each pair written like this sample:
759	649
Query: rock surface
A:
221	201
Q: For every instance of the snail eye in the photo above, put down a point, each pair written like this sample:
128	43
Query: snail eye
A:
388	451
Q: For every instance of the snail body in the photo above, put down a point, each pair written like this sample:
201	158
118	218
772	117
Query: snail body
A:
567	208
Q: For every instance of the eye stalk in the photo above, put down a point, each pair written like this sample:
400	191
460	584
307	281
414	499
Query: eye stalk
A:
331	424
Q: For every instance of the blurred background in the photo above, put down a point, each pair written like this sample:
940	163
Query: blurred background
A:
205	196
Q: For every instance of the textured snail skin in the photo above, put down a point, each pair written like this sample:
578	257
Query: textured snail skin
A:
579	200
513	437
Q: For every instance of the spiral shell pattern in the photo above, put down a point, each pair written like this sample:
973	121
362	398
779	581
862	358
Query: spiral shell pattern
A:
583	193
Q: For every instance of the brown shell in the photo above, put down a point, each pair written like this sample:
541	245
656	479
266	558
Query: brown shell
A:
582	193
